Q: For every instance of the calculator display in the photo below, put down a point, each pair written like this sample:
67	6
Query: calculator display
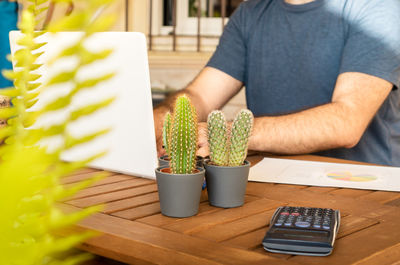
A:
302	231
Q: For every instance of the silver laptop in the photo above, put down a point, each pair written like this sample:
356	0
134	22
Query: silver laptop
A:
131	144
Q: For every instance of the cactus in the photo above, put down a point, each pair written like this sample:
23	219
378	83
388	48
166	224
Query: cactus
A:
183	137
218	138
229	149
167	132
240	134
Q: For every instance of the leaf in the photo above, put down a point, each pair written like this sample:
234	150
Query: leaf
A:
8	74
38	45
88	57
6	113
75	21
9	92
58	103
70	51
73	166
103	23
41	10
39	33
72	142
62	78
30	103
86	110
34	67
33	77
26	41
66	193
93	82
6	132
33	86
30	118
98	3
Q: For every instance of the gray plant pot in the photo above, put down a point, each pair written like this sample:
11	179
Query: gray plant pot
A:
226	186
164	161
179	193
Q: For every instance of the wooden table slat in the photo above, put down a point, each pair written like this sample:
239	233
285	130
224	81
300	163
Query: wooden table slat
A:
111	187
194	225
133	202
354	193
84	176
222	232
139	212
381	196
113	196
387	256
105	181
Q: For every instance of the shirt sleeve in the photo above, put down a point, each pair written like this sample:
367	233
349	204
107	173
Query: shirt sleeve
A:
230	55
373	41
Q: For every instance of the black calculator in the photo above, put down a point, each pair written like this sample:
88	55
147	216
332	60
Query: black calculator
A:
302	231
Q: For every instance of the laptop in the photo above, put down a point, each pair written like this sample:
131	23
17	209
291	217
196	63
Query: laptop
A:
131	144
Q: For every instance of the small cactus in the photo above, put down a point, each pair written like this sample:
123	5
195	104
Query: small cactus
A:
240	134
229	149
182	140
167	132
218	137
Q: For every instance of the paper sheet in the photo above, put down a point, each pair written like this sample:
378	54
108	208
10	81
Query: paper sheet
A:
326	174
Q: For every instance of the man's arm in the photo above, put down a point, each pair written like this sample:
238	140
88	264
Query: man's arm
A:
210	90
341	123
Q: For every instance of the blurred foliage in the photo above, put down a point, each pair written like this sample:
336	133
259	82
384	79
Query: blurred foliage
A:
30	175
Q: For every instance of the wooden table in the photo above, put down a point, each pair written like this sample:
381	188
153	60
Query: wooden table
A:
134	231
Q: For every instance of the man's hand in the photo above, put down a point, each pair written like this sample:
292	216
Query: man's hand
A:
202	140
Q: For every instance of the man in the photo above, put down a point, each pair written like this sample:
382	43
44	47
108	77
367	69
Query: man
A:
321	76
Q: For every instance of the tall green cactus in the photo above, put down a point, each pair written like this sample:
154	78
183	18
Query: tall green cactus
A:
218	137
167	132
183	137
229	149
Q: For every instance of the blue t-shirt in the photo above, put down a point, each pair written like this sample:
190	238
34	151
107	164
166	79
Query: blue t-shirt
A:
289	58
8	21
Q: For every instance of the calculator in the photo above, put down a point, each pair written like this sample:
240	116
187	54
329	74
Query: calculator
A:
302	231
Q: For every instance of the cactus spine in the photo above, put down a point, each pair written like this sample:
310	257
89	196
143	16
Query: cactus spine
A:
183	137
229	149
167	132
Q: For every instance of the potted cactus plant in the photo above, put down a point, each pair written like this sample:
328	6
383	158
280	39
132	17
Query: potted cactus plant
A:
165	159
227	170
180	182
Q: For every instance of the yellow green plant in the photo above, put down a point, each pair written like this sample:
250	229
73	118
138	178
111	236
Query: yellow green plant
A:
30	175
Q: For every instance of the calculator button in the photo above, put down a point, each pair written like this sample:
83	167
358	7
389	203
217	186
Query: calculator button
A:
288	224
284	213
302	224
316	225
327	227
295	214
278	224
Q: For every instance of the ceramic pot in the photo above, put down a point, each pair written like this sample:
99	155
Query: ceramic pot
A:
179	193
163	161
226	186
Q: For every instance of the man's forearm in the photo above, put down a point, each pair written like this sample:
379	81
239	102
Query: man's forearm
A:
320	128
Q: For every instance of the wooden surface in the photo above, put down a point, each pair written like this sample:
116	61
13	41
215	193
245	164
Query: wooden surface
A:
134	231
